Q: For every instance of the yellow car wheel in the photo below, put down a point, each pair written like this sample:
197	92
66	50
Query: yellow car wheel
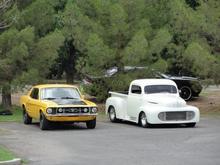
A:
91	124
26	118
44	123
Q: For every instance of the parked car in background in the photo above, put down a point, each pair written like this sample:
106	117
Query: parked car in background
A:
189	86
151	101
57	103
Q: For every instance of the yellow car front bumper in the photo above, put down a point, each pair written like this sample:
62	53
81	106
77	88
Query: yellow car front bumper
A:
70	118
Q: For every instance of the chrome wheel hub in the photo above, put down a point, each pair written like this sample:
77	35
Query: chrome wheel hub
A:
112	114
143	120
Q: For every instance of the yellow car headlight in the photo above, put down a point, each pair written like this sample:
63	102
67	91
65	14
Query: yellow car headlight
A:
94	110
49	110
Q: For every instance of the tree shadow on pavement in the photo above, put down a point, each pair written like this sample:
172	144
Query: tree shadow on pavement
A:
154	126
63	126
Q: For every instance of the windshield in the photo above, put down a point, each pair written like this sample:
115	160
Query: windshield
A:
60	93
160	89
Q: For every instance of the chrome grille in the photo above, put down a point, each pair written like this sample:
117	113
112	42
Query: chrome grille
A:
71	110
74	110
176	116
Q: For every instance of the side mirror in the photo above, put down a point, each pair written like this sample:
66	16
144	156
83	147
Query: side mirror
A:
179	91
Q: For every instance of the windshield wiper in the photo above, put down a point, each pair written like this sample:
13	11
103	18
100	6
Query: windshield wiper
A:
68	97
49	98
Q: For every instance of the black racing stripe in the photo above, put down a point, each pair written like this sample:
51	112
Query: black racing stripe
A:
69	102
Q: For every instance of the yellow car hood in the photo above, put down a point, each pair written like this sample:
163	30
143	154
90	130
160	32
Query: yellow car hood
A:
68	102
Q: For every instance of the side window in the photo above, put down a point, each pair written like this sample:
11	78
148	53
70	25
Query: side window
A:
35	93
135	89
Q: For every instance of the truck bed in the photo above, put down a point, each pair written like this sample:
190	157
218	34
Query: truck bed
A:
119	93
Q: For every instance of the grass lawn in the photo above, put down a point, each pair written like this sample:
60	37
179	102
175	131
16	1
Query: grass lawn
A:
16	117
5	154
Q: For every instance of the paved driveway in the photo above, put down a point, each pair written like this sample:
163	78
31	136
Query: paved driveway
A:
120	143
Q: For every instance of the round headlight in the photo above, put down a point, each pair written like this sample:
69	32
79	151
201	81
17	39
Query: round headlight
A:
162	116
190	115
94	110
85	110
60	110
49	110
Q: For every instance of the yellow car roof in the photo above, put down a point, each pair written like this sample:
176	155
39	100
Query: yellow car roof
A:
53	85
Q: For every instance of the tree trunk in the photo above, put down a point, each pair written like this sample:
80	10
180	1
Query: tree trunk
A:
70	63
119	55
69	77
6	97
119	62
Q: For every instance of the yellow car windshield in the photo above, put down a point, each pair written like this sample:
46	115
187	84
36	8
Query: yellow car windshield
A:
59	93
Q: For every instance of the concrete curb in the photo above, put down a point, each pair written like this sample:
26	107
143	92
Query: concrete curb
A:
16	161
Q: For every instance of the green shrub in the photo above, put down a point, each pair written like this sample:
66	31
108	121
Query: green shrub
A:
119	82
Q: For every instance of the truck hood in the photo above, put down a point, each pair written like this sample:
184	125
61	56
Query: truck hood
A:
58	102
167	100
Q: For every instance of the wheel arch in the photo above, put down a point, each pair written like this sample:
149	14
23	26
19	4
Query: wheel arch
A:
113	102
181	83
110	107
41	111
23	107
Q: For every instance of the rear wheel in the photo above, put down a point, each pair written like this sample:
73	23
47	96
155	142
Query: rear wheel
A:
190	124
112	114
44	123
143	120
91	124
26	118
186	93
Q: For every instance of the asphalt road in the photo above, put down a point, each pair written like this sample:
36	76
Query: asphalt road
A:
115	143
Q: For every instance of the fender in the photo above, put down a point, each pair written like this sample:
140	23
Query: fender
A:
119	105
147	109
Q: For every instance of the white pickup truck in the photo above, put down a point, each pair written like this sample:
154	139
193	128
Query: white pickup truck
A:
151	101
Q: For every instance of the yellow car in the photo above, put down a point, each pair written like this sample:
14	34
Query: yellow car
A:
57	103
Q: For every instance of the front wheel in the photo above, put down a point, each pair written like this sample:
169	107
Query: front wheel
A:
143	120
91	124
26	118
44	123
